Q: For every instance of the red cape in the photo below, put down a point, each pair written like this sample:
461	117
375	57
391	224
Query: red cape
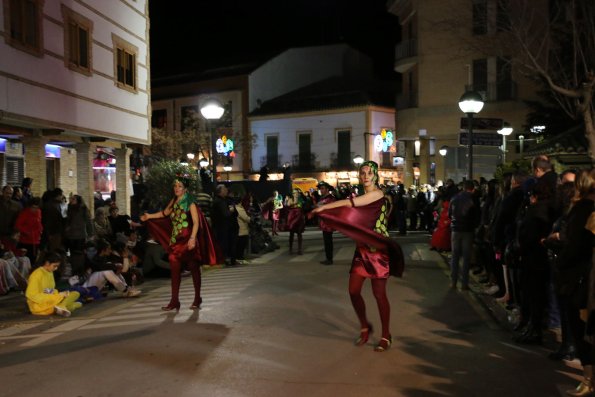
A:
357	223
207	250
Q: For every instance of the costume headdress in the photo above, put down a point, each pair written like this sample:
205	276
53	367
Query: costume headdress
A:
374	166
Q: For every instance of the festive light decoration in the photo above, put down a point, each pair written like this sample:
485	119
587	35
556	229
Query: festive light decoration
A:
225	146
384	140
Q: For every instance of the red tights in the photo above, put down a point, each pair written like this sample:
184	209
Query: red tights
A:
379	289
176	279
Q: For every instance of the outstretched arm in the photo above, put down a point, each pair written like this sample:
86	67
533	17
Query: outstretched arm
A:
357	201
160	214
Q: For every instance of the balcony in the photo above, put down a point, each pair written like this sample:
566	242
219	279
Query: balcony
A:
343	163
274	163
494	92
407	101
304	162
405	55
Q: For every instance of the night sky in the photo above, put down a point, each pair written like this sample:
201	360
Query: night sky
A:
200	34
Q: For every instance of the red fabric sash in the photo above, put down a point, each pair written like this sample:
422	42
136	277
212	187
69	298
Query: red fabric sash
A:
358	224
207	251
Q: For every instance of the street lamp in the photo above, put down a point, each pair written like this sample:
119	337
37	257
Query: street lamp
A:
227	168
470	103
443	150
358	160
212	110
504	131
203	162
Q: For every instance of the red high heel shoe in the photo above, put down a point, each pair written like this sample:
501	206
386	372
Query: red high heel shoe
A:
171	306
384	344
196	304
364	335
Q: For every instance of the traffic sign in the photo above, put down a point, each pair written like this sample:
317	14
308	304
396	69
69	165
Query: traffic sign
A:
481	139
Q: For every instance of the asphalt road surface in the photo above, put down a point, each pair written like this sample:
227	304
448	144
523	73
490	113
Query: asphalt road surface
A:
281	326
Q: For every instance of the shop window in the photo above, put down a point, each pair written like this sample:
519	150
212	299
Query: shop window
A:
23	23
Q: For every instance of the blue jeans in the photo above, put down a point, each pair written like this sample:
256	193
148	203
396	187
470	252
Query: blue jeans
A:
462	244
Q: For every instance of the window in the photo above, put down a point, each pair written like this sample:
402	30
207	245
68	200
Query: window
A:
305	151
343	149
272	151
505	88
189	117
15	170
23	23
480	76
480	17
159	118
125	63
77	41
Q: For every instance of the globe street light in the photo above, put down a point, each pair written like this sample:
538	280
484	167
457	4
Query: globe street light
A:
358	160
470	103
203	162
212	110
443	150
504	131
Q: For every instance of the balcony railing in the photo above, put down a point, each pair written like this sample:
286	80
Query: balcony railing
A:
274	163
304	162
342	164
493	92
406	49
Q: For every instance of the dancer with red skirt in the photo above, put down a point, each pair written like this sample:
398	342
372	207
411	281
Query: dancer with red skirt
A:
363	219
183	231
296	221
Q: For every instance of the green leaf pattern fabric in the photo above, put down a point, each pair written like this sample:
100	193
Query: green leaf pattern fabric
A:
381	226
179	220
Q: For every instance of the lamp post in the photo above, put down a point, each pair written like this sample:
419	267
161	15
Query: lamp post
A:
358	160
212	110
227	168
505	131
443	151
470	103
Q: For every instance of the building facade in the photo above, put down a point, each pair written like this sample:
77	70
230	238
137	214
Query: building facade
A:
445	50
74	94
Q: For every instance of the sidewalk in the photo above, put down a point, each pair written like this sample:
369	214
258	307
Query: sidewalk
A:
507	317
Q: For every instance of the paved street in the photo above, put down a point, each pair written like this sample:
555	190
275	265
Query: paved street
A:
281	326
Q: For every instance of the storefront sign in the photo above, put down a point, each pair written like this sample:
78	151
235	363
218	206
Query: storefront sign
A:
383	141
225	146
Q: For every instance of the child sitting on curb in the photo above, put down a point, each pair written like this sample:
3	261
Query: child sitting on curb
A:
42	297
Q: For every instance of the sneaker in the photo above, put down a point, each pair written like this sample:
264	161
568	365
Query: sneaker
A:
492	290
131	292
62	311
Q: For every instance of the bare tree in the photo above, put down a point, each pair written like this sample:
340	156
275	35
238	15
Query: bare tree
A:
550	42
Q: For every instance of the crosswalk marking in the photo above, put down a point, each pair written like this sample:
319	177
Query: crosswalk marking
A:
218	286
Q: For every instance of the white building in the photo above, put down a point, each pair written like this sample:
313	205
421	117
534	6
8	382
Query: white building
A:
76	75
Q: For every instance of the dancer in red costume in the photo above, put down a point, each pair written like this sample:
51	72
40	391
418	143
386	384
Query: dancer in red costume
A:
183	231
376	257
296	221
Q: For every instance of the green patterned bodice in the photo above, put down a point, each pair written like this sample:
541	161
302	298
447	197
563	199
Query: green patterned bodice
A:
179	221
382	221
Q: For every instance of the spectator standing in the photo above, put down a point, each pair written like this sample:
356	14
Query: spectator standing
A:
9	210
53	222
223	219
243	220
103	228
26	189
464	217
327	232
78	229
29	226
